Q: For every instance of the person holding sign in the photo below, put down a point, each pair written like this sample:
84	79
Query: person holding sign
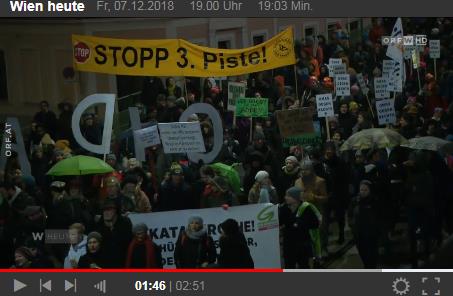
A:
175	193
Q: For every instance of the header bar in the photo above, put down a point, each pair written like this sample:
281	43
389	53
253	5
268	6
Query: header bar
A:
224	8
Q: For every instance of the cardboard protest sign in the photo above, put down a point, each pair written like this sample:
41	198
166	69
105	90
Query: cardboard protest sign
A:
178	57
312	139
147	137
181	137
235	90
362	83
252	107
258	222
434	49
342	85
294	122
380	88
387	67
386	111
324	104
217	127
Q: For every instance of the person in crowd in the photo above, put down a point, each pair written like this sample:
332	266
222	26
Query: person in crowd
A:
289	175
23	258
135	199
91	130
263	191
142	251
194	247
314	187
78	245
234	249
41	257
217	193
46	118
94	257
364	219
175	193
116	232
299	223
64	123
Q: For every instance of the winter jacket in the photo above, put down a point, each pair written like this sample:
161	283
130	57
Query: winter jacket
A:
191	253
75	252
235	253
315	190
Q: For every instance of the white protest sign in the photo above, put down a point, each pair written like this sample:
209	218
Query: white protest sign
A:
362	83
338	70
147	137
387	67
380	88
342	85
397	76
12	130
235	90
386	111
217	127
434	49
324	105
109	101
258	222
333	61
181	137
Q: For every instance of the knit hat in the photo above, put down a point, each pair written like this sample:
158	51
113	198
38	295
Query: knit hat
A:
47	140
63	145
96	235
133	163
294	192
25	252
193	118
197	219
176	169
140	228
110	156
261	175
291	158
230	227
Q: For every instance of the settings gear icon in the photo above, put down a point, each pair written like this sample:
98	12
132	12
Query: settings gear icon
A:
401	286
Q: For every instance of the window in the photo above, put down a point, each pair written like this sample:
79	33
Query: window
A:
258	39
3	80
224	44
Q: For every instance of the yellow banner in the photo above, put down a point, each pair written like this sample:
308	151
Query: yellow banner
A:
177	57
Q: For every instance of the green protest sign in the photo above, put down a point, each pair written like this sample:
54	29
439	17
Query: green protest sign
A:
304	140
252	107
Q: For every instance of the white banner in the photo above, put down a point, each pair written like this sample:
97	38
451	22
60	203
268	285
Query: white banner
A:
386	111
147	136
181	137
342	85
434	49
324	105
235	90
259	223
380	88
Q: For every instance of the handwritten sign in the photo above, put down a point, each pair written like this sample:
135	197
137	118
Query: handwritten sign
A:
342	85
252	107
181	137
380	88
147	136
434	49
324	105
387	67
235	90
337	70
294	122
386	111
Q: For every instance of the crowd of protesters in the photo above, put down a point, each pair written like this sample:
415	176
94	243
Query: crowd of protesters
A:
315	186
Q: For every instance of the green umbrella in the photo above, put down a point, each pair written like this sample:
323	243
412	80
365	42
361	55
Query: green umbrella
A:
80	165
229	173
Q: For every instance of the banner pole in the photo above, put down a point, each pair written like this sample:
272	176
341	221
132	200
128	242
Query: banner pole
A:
435	69
185	91
295	79
251	129
327	129
418	78
369	104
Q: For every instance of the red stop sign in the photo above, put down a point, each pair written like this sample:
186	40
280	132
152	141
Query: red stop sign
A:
81	52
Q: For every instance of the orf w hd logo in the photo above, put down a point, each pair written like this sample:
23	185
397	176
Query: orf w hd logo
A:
81	52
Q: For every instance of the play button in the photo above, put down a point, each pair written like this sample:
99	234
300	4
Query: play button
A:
68	285
18	285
